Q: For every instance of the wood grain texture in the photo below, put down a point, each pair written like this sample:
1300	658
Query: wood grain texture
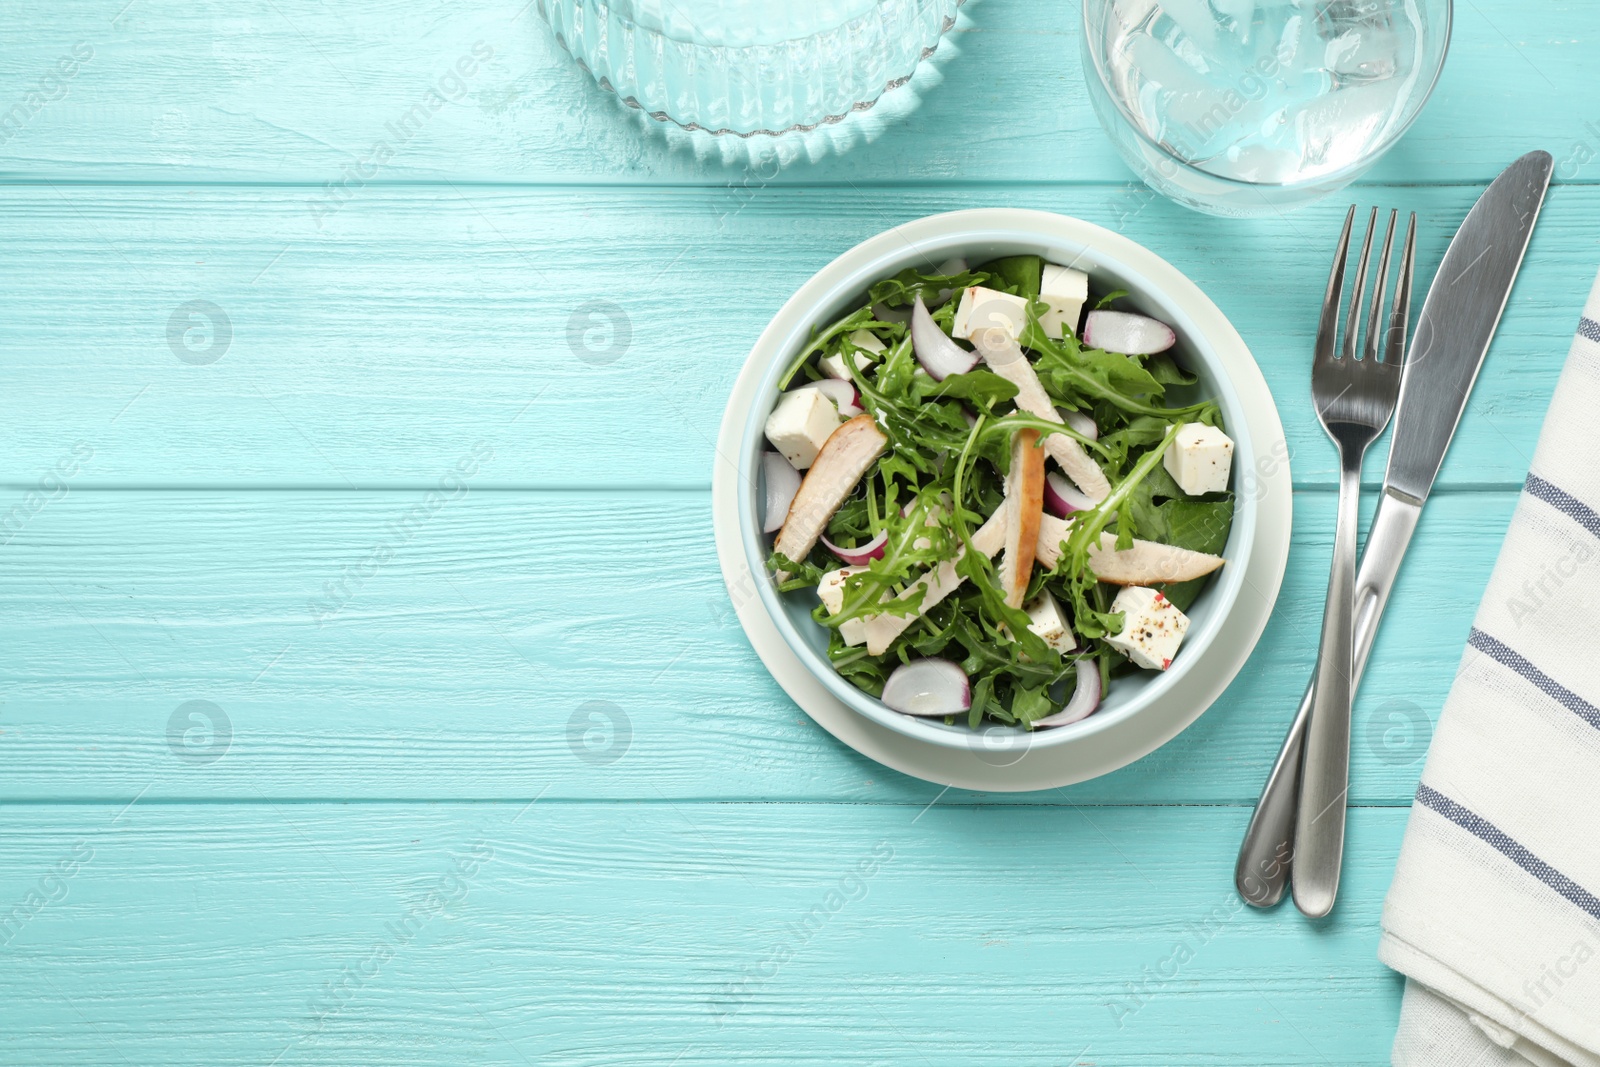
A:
349	871
463	665
416	322
583	935
291	90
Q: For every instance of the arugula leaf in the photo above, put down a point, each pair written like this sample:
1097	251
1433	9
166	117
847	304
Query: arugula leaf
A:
1016	274
903	289
1166	514
983	387
1164	369
1066	368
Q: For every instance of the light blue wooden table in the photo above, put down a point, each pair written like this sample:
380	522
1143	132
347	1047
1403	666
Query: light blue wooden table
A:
484	770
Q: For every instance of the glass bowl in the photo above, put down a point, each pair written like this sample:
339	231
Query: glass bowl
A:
749	67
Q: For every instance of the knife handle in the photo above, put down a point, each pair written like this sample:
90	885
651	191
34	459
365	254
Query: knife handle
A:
1262	872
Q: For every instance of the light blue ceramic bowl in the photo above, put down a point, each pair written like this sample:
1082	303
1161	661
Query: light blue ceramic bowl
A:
1207	345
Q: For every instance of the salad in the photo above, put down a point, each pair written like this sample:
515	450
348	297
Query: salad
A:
1002	502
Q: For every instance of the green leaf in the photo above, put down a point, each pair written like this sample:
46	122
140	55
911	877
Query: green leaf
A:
1164	369
903	289
1163	512
983	387
1016	274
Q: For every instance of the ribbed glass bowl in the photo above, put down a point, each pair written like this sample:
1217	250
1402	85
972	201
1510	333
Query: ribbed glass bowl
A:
748	67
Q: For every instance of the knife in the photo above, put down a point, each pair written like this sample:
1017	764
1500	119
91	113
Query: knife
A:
1458	320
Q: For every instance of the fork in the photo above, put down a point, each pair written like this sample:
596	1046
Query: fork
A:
1354	399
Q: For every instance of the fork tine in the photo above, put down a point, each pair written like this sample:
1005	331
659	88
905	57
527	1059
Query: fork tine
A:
1328	324
1379	280
1352	323
1395	352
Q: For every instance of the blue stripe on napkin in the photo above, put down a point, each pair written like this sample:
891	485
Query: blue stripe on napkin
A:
1564	502
1485	830
1509	657
1589	328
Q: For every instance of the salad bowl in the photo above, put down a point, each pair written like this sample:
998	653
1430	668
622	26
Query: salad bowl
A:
1207	347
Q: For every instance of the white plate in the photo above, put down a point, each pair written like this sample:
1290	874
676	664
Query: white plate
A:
1121	742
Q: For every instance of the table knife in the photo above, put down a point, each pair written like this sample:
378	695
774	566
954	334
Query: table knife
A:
1457	322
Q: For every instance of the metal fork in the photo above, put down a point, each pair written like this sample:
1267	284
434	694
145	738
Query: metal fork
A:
1354	399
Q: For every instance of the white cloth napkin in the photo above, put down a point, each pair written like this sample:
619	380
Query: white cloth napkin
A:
1494	914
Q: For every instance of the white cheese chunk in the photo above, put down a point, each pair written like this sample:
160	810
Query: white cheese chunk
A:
801	424
1200	459
834	366
854	631
1047	621
1065	290
831	590
982	309
1152	627
868	340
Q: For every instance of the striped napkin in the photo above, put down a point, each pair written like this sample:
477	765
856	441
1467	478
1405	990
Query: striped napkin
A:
1494	914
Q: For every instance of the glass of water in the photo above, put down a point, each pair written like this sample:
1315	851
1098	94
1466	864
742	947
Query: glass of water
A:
748	67
1252	107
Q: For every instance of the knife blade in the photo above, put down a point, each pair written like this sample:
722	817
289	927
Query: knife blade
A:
1458	320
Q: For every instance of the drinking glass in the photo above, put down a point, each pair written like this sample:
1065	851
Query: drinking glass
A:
747	67
1250	107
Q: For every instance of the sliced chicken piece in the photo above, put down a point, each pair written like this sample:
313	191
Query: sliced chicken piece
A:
1052	531
940	581
1005	357
1144	563
844	458
1024	506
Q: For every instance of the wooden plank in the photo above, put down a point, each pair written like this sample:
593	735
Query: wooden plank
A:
378	350
280	90
656	933
489	653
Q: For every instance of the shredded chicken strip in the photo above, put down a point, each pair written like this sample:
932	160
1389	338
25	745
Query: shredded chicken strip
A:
939	581
845	457
1005	357
1145	563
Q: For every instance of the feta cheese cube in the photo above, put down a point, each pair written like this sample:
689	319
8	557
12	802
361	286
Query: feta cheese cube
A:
833	365
1200	459
1065	290
868	340
801	424
982	309
1152	627
831	590
1047	621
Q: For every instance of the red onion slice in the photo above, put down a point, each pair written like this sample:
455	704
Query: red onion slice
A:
1081	423
939	355
842	393
1132	335
1062	498
1085	698
860	554
783	482
932	687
